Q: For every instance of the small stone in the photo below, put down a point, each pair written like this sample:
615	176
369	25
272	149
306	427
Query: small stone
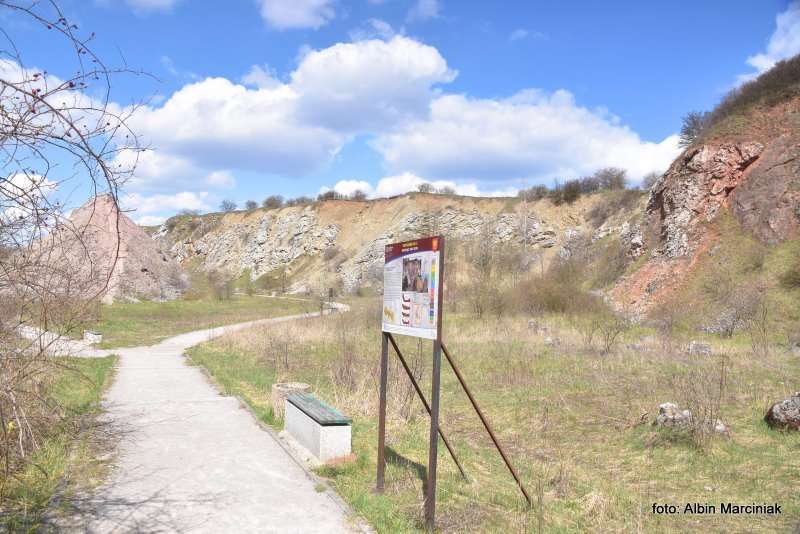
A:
552	341
670	415
698	348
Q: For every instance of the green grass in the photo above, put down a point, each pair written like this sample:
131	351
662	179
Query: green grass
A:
147	323
567	417
66	457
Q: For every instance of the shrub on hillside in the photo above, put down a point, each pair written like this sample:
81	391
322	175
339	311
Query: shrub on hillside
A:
791	278
273	202
615	202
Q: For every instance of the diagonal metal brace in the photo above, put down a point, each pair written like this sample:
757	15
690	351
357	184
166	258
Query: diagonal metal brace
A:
486	424
424	402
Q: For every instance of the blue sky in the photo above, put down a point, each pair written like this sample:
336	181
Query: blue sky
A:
260	97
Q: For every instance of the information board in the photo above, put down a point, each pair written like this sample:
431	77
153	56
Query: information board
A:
411	287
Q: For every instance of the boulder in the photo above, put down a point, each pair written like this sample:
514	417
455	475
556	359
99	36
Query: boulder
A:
785	414
281	390
698	348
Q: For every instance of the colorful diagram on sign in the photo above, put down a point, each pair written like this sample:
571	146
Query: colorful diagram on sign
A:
410	302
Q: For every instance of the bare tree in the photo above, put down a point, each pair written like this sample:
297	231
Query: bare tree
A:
53	132
694	123
227	205
250	205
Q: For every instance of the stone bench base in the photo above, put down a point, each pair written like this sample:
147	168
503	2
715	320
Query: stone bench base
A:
324	442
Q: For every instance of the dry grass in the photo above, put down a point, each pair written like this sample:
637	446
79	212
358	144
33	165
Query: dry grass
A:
570	417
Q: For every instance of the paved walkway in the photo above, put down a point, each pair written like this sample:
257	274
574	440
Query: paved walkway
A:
191	460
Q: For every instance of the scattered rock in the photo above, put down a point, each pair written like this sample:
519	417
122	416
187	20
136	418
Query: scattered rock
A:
785	414
670	415
698	348
537	327
552	341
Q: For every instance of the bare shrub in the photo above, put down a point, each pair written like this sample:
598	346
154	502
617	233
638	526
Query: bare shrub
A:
758	324
611	326
227	205
220	286
701	390
667	317
52	132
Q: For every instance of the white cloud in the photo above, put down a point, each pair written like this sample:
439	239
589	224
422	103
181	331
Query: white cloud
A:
217	124
292	14
518	34
783	43
390	186
207	131
533	135
348	187
368	85
374	29
261	77
289	128
221	179
161	203
424	10
150	220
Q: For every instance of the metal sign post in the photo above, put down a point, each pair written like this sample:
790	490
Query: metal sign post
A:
413	300
412	306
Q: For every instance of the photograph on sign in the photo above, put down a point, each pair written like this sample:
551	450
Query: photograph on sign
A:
410	287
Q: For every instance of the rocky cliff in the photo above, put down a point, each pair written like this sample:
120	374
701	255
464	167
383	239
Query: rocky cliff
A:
748	166
345	240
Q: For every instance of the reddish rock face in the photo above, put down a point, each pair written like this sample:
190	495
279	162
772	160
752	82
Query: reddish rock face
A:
767	203
756	175
697	184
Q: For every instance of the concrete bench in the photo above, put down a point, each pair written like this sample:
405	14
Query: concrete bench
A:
321	429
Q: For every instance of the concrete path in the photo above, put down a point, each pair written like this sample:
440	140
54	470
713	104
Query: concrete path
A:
191	460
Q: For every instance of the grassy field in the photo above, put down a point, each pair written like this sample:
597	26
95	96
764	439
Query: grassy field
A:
68	457
576	423
147	323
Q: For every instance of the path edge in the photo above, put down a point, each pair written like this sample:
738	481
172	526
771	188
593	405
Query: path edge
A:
361	524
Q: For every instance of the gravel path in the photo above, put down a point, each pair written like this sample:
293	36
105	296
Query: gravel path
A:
192	460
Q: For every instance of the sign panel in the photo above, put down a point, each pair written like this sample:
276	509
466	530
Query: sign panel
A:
411	287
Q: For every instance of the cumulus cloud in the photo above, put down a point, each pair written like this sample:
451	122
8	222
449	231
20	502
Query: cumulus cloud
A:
388	89
153	204
368	85
261	77
424	10
532	135
294	14
292	128
390	186
783	43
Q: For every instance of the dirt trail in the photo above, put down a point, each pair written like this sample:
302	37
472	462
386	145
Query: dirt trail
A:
192	460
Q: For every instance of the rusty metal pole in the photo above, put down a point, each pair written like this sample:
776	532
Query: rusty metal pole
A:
430	498
382	414
425	403
486	424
